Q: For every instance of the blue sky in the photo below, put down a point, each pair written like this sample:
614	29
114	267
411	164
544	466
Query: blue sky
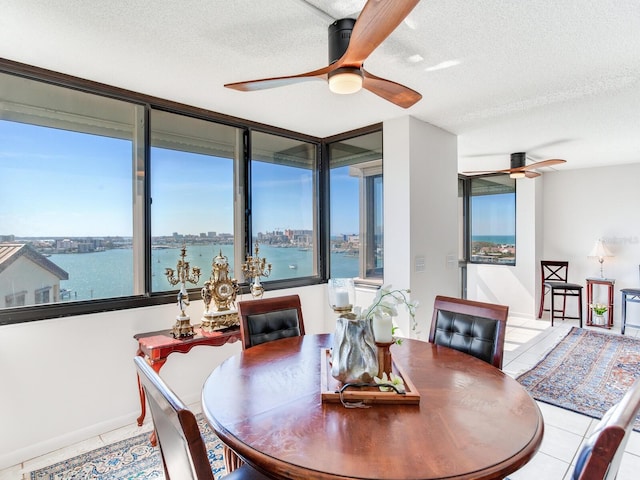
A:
493	214
63	183
71	184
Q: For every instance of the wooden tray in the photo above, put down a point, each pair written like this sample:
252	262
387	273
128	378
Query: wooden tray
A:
330	387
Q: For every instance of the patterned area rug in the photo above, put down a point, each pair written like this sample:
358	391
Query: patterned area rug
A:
587	372
133	458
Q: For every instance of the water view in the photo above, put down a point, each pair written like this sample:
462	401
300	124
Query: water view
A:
109	273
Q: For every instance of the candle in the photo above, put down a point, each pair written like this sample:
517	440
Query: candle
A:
382	328
342	299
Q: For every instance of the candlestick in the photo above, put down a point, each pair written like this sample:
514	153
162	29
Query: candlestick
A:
183	274
342	299
384	358
382	328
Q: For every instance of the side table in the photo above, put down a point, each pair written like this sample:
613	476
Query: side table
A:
631	295
156	347
609	283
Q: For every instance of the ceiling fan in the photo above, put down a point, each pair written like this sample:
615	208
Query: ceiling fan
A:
519	168
350	43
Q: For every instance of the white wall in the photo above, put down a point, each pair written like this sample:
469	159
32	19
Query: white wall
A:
420	215
68	379
583	205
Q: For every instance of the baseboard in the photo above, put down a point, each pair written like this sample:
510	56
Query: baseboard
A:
22	455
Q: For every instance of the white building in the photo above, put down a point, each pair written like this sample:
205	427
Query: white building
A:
27	277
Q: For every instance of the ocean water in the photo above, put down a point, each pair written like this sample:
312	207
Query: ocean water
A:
498	239
109	274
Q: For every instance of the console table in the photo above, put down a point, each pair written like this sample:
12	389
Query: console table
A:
156	347
609	283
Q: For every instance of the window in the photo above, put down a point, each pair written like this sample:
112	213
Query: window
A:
42	295
493	220
100	188
66	167
356	224
192	191
463	249
15	299
283	204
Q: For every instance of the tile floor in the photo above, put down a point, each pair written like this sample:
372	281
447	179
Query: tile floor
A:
527	341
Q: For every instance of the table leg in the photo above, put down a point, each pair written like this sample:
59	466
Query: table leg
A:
589	301
143	404
623	316
231	460
610	316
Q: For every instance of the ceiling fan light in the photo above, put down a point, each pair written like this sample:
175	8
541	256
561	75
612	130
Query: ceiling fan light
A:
517	175
345	81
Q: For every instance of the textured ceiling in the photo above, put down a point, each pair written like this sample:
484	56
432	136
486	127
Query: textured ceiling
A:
554	79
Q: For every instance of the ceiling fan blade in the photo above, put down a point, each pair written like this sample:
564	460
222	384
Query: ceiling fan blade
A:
376	21
543	163
531	174
393	92
264	83
482	172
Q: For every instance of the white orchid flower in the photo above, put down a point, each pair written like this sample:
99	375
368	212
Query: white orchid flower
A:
385	302
392	379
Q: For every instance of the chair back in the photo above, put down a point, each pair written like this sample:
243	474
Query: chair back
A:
476	328
554	271
183	451
268	319
600	455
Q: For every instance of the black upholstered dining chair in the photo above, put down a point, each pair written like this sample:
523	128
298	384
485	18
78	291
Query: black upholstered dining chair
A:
600	455
472	327
554	281
267	319
183	451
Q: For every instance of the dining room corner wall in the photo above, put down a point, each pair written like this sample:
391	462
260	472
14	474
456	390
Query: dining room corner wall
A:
420	215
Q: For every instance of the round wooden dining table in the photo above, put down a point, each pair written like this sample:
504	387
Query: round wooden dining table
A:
472	421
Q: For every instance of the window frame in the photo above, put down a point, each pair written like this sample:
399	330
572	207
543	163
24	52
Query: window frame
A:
29	313
367	173
466	225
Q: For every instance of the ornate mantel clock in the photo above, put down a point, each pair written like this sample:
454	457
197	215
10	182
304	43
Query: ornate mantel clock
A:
222	291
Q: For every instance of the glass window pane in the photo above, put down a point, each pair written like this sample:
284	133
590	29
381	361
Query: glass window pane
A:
493	220
192	192
66	217
283	208
356	186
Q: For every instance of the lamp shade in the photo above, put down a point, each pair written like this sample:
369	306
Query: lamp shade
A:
600	250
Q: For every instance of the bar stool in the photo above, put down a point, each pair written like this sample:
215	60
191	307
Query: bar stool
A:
631	295
554	275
